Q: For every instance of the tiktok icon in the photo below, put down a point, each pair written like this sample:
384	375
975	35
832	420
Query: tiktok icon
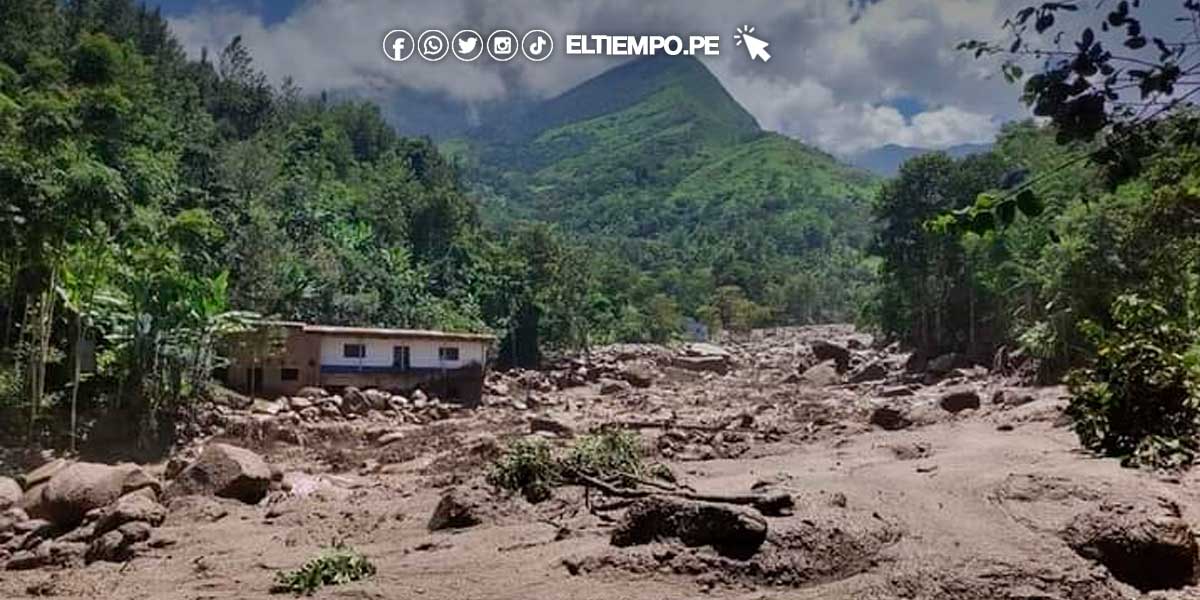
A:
537	45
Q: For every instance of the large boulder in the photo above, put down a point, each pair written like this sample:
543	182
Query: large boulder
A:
226	471
825	350
10	493
823	374
355	401
42	474
1146	544
731	530
82	487
959	399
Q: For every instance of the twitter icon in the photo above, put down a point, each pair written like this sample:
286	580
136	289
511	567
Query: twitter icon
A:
468	45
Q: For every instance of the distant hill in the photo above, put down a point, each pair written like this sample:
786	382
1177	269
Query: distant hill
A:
655	153
885	161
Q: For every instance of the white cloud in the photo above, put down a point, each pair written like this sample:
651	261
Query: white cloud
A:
828	82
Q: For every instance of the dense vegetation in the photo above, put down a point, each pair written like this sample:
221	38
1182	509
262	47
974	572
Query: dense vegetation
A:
1076	242
149	203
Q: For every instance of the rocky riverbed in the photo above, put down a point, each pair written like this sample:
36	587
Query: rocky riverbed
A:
906	477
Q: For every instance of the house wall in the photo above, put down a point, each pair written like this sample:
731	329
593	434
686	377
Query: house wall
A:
300	351
423	353
308	352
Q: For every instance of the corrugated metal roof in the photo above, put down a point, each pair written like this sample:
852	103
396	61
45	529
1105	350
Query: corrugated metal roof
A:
379	332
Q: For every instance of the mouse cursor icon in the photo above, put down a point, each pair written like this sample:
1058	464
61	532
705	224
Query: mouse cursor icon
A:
756	46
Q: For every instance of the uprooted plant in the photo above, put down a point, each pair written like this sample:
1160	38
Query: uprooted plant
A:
609	461
335	565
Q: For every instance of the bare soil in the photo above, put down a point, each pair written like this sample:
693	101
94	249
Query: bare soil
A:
969	505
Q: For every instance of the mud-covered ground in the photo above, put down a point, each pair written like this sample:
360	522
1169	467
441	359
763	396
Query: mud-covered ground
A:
902	488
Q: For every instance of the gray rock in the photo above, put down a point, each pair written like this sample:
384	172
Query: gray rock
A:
708	364
312	392
547	424
823	374
947	363
959	399
460	508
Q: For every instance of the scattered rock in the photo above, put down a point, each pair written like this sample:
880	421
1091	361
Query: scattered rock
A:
947	362
10	493
731	530
547	424
109	547
134	507
226	471
299	403
1147	545
898	391
638	376
312	392
459	508
1011	398
823	374
266	407
825	350
609	387
355	401
959	399
889	418
871	371
708	364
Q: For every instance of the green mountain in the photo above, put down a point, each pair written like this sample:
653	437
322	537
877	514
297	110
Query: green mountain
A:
657	162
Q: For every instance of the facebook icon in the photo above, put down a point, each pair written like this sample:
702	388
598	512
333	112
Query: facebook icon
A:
398	45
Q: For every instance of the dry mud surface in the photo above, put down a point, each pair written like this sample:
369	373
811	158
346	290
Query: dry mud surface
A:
966	505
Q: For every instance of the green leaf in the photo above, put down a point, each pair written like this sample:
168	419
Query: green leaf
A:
1030	204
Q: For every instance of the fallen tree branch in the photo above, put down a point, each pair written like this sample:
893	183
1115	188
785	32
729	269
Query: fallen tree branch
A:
768	504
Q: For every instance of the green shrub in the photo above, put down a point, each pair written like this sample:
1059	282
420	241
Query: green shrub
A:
336	565
608	454
528	467
1139	399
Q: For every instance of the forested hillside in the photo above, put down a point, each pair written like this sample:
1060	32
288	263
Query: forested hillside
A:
150	202
657	165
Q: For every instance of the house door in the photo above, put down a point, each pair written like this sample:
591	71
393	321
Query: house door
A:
401	358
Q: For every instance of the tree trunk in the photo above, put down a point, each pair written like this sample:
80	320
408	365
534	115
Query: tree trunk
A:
75	376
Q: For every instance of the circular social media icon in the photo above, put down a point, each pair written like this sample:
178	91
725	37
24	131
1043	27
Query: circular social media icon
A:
537	45
467	45
398	45
433	45
502	45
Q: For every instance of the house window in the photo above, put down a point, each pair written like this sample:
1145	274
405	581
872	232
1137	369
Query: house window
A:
354	351
448	353
286	374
